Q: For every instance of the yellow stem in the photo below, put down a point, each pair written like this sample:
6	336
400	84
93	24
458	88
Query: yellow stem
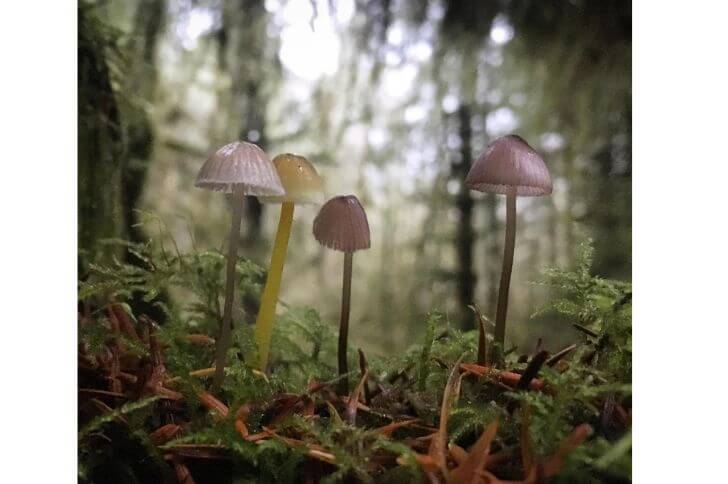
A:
266	314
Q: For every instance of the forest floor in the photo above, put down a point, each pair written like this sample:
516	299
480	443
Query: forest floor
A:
432	414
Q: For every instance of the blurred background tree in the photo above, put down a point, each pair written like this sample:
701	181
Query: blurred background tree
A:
392	100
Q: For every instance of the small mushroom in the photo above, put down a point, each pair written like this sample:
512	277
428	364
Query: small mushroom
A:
240	169
302	185
511	167
342	225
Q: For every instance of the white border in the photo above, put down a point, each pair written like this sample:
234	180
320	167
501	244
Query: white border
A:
38	200
680	241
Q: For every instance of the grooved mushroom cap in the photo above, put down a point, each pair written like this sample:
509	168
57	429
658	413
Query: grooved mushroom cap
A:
342	225
299	178
510	163
240	163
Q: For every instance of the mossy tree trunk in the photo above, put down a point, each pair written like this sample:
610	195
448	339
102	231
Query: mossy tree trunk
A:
115	136
100	144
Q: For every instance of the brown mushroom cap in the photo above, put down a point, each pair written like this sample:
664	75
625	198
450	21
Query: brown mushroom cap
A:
300	180
510	163
342	225
240	163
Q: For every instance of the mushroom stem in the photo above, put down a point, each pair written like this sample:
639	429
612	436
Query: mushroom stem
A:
482	353
227	317
266	314
344	323
505	281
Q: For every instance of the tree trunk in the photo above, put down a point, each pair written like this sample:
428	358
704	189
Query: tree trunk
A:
465	237
142	81
100	146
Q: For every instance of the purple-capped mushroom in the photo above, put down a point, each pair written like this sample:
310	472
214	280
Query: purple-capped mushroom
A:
509	166
342	225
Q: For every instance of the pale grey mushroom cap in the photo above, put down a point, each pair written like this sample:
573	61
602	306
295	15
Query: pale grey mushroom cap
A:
342	225
508	164
243	164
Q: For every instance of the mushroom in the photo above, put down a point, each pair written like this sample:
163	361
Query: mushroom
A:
511	167
342	225
302	185
240	169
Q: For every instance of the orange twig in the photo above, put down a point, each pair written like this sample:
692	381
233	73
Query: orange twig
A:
164	434
508	377
353	402
213	403
200	339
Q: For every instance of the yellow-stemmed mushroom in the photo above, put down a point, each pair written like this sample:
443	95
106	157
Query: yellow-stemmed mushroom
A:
302	185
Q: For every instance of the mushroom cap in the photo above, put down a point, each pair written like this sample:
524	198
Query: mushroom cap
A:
507	163
342	225
300	180
240	163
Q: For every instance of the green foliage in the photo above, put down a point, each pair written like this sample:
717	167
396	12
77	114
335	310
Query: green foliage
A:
603	306
355	450
97	423
94	453
555	414
468	419
424	363
198	274
243	385
615	457
303	347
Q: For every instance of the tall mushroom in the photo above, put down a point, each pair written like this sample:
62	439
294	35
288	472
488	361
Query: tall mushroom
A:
342	225
240	169
508	166
302	185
